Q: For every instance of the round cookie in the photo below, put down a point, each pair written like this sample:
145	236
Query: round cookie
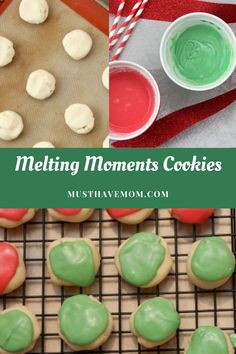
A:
44	145
129	216
11	125
155	322
11	218
7	51
209	340
77	44
79	118
143	260
105	78
192	215
73	262
84	322
70	214
19	330
210	263
12	268
34	11
41	84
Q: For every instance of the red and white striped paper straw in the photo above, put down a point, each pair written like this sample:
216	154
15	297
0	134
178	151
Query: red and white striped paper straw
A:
130	30
117	19
113	40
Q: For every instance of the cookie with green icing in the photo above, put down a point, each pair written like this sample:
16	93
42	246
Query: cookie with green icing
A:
209	340
210	263
143	260
19	330
73	262
84	322
155	322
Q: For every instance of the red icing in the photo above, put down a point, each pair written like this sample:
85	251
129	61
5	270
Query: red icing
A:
68	211
192	216
132	101
13	214
9	262
169	10
119	213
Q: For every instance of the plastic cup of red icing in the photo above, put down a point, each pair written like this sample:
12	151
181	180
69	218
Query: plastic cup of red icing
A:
134	100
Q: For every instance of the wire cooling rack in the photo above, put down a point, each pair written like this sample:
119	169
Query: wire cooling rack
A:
196	307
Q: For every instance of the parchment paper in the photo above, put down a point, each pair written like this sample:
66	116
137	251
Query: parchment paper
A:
40	47
105	235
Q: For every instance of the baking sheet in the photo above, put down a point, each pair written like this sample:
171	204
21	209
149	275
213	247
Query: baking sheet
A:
39	47
196	307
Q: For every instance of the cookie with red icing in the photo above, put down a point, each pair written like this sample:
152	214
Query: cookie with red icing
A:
12	268
10	217
70	214
192	216
129	216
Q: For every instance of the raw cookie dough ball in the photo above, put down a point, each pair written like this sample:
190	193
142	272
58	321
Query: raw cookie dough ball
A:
73	262
7	51
106	143
143	260
12	268
130	216
70	214
77	44
34	11
155	322
19	330
84	323
209	340
210	263
79	118
11	125
41	84
192	216
44	144
105	78
11	218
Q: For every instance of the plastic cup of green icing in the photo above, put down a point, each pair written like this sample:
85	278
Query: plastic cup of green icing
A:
198	51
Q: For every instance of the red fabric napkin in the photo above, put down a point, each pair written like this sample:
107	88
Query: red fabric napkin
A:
169	10
171	125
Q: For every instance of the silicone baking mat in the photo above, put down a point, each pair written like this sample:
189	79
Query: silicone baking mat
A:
196	307
40	47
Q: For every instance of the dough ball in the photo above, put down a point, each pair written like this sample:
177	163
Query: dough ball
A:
106	142
7	51
79	118
77	44
34	11
11	125
41	84
44	144
105	78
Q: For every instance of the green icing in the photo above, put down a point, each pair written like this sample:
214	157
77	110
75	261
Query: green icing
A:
201	54
141	257
73	262
16	331
156	319
83	320
208	340
212	260
233	340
